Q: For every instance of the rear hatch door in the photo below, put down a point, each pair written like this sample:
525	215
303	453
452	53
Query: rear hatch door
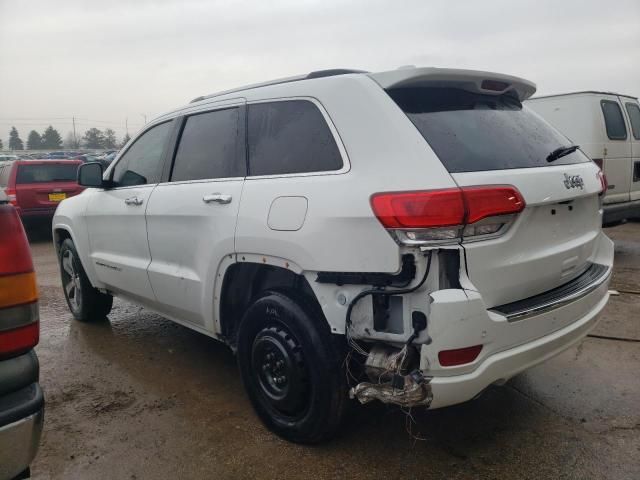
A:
489	138
42	185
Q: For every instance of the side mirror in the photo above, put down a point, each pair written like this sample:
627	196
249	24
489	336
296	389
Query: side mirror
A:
90	175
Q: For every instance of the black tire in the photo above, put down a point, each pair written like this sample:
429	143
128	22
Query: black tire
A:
85	302
303	398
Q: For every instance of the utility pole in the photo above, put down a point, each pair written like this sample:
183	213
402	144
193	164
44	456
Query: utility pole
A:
126	125
75	139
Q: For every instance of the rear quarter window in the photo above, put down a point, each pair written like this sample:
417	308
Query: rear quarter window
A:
613	120
43	173
472	132
290	136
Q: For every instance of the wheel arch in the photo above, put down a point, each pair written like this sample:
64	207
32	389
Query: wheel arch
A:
251	274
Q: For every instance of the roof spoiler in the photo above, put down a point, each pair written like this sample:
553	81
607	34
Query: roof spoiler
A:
488	83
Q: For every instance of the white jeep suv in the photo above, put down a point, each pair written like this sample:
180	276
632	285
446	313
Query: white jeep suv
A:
410	236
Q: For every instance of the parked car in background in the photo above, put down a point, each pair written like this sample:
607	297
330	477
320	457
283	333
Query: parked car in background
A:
6	157
36	187
420	225
607	128
21	399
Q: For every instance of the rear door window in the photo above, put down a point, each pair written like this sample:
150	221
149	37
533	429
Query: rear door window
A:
142	162
472	132
210	147
613	120
634	115
288	137
46	173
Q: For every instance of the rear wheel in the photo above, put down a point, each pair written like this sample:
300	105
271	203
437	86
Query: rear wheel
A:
291	368
85	302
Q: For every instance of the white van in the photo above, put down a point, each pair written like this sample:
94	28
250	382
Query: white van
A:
607	128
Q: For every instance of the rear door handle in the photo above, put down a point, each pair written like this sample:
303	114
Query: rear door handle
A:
133	201
217	198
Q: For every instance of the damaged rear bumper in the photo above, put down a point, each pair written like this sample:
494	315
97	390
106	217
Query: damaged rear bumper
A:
501	366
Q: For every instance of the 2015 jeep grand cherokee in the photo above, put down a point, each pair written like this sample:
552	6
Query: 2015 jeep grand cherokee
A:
410	236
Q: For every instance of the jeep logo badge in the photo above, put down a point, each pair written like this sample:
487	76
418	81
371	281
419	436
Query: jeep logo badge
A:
573	181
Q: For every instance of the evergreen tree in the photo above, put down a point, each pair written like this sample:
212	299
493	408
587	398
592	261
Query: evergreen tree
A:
51	138
15	142
1	145
93	138
110	139
34	140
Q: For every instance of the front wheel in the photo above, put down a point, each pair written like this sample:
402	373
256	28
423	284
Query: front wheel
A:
291	368
85	302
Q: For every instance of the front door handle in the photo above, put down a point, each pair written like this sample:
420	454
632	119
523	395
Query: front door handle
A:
133	201
217	198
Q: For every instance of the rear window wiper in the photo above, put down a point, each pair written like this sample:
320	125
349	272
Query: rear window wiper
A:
561	152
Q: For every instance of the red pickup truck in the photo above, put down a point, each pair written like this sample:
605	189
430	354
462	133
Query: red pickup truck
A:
35	187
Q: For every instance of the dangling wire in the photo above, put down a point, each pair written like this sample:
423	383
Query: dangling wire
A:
379	291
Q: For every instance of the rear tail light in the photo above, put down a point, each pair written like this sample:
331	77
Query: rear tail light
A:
459	356
19	326
20	339
449	214
11	196
15	256
603	182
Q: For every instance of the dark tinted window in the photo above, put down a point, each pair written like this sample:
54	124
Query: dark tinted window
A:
46	173
634	114
473	132
209	147
613	120
290	137
141	163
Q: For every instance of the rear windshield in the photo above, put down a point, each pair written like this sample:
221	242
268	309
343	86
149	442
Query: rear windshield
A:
472	132
46	173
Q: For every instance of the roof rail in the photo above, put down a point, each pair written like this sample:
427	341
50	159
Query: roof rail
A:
317	74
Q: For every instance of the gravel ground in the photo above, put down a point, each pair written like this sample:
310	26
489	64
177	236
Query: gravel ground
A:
139	397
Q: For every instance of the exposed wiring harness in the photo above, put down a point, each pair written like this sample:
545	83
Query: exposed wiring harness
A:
382	291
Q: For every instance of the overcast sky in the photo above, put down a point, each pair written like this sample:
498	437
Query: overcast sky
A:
105	61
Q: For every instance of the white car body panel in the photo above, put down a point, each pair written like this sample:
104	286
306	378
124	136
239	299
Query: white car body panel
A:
171	253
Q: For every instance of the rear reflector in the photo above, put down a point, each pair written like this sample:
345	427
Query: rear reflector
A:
18	289
459	356
15	256
443	214
19	339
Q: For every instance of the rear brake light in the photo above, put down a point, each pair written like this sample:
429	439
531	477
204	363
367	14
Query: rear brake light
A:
15	256
604	185
19	339
448	214
459	356
11	196
494	85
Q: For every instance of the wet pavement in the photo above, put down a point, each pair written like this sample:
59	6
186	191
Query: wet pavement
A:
139	397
